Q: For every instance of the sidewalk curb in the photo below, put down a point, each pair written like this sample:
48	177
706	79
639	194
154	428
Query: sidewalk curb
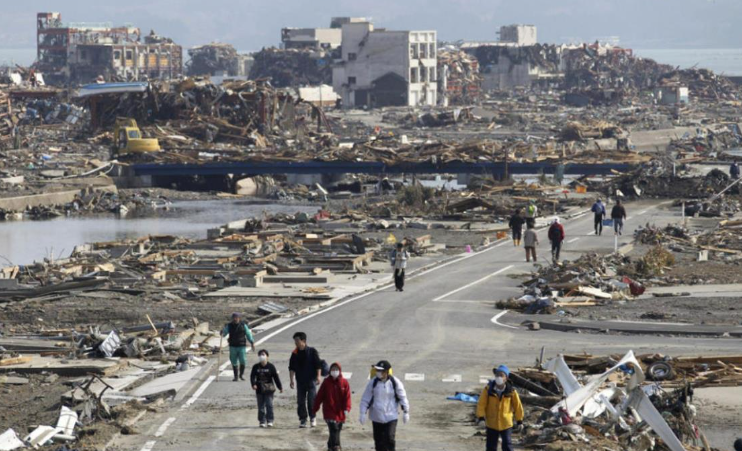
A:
632	329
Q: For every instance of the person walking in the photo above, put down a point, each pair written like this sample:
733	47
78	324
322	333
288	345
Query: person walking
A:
499	409
618	214
516	225
556	236
399	257
598	210
382	398
239	335
734	170
264	380
530	241
531	213
305	370
334	397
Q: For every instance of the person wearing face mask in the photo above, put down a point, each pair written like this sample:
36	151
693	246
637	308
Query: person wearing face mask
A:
334	397
264	379
498	407
383	397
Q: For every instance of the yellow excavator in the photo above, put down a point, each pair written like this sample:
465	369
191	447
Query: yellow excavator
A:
127	139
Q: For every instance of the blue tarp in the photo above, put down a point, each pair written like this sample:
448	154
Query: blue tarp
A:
463	397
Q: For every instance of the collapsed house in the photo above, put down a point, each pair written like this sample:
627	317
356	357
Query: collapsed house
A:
459	81
292	67
217	59
82	52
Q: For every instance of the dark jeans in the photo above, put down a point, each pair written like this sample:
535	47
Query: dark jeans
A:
556	249
265	408
335	429
305	394
493	436
598	224
618	225
399	278
517	233
384	434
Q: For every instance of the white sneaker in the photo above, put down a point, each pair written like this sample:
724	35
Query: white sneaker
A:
314	422
262	425
270	425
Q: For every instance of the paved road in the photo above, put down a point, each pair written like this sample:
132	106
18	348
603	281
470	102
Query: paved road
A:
441	336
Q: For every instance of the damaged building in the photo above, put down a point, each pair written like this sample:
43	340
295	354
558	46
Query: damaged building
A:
218	59
82	52
381	67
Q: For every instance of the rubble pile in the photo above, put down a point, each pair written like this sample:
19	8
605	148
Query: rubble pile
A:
212	58
464	83
292	67
580	402
703	84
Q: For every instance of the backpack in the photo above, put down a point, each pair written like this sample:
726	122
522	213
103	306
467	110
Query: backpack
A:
325	371
394	387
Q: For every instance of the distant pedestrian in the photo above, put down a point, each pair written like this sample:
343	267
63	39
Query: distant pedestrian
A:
516	225
598	210
334	397
530	241
239	335
734	170
618	214
499	409
383	397
305	370
399	257
531	213
264	379
556	237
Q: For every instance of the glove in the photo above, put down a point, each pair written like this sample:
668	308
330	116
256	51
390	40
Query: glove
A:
362	419
481	423
406	417
347	413
518	427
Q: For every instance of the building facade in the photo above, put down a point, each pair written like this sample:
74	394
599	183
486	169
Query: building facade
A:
80	53
380	67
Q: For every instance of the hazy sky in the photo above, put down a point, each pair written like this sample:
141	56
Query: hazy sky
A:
252	24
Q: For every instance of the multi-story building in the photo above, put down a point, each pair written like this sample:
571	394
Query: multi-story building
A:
380	67
311	38
81	52
518	34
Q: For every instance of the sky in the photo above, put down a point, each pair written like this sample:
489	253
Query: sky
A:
252	24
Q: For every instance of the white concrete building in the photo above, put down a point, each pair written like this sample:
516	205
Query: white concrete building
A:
519	34
386	68
311	38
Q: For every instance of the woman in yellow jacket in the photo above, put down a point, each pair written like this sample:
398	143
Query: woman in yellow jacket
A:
499	404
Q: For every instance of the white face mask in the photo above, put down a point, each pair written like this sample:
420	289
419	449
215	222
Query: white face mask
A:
499	380
263	358
335	373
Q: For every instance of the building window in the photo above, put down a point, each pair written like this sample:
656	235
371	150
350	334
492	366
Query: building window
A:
414	51
352	56
129	55
423	74
413	75
117	55
432	74
351	80
423	50
432	50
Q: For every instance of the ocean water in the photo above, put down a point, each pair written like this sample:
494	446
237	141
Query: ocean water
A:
721	61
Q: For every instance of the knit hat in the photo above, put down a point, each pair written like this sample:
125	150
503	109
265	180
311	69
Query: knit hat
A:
502	369
236	315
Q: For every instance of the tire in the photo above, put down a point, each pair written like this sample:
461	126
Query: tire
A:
660	371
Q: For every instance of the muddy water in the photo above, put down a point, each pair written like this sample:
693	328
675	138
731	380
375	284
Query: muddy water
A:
23	242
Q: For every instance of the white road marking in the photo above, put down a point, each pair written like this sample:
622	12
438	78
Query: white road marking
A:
591	233
417	377
472	283
498	316
149	445
161	431
453	378
454	301
484	379
309	445
573	240
198	392
347	375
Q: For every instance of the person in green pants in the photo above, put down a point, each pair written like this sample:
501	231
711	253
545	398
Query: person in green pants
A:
239	335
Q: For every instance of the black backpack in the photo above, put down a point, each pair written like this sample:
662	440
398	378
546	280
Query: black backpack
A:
394	387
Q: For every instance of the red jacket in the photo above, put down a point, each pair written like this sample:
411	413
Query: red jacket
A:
334	396
556	232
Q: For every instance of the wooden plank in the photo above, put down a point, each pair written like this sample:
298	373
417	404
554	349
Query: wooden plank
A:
15	361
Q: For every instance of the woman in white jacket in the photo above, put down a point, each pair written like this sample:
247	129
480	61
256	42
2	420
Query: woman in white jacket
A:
383	397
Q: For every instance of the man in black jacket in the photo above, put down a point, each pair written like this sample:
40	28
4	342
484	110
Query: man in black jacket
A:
618	214
516	225
305	369
264	379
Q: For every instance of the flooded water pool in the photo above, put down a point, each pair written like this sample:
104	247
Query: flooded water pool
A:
23	242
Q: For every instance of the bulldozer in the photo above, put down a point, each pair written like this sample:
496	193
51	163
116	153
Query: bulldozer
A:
127	139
